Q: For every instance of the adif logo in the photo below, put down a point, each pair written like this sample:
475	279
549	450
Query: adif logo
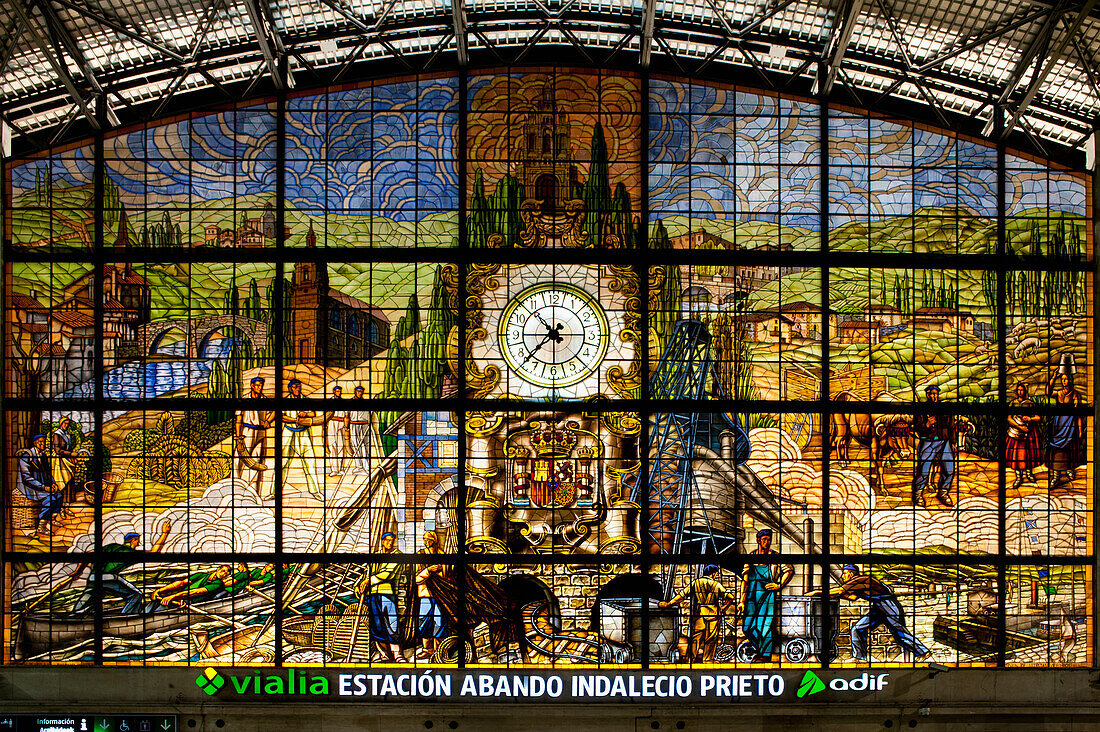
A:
811	684
210	681
866	682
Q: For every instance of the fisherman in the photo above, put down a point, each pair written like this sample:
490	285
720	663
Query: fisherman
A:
337	437
238	581
37	484
709	599
250	443
110	572
264	575
380	586
363	434
430	622
883	609
760	590
198	585
245	577
298	442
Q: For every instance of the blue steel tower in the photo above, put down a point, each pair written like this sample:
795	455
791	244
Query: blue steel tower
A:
682	373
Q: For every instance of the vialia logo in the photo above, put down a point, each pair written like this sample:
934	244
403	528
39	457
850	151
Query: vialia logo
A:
289	684
210	681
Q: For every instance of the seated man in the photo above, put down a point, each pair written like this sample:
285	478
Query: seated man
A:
36	482
198	586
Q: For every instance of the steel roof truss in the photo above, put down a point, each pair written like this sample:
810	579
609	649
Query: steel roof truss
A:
16	34
837	45
56	61
1049	62
209	15
1085	59
103	17
458	20
1034	50
261	30
907	70
990	33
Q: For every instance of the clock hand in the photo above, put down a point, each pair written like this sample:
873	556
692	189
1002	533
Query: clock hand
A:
535	350
541	320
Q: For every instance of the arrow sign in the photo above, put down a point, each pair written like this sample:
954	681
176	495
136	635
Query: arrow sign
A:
166	725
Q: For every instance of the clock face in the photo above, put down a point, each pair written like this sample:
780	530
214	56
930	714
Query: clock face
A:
553	334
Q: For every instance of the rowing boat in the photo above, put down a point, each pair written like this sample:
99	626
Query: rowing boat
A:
39	633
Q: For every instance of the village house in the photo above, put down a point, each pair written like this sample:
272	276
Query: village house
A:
427	468
859	331
806	317
254	232
768	326
943	320
888	315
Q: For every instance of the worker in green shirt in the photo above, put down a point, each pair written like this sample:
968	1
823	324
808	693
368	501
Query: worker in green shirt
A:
708	600
262	575
121	556
198	585
380	584
239	579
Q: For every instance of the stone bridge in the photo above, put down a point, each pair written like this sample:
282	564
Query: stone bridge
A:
198	332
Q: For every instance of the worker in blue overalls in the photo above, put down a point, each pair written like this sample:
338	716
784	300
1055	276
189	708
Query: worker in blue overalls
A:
759	601
883	609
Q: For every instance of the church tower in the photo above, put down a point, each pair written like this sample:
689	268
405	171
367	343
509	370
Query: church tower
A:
308	290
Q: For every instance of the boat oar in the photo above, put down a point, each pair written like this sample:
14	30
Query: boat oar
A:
49	592
269	598
355	627
219	618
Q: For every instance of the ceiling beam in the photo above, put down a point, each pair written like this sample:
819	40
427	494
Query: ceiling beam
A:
844	25
649	17
1049	63
16	35
104	18
458	20
56	62
260	30
1038	46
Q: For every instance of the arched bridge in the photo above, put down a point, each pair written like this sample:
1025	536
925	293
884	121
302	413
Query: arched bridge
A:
199	331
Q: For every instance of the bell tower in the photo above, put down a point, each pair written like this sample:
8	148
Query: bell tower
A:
308	289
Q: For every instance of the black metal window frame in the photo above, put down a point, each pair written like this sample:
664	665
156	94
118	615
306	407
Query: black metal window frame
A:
641	259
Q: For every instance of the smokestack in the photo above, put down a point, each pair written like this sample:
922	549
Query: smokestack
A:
807	548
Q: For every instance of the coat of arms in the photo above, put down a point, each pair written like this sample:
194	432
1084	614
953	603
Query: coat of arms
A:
552	467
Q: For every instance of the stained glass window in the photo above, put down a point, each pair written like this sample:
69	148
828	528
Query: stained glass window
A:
546	366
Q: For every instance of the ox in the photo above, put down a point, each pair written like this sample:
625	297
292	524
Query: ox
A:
888	437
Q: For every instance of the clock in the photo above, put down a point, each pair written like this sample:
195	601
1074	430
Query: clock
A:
553	334
550	331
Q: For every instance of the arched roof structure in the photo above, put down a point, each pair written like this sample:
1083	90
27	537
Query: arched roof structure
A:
70	67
